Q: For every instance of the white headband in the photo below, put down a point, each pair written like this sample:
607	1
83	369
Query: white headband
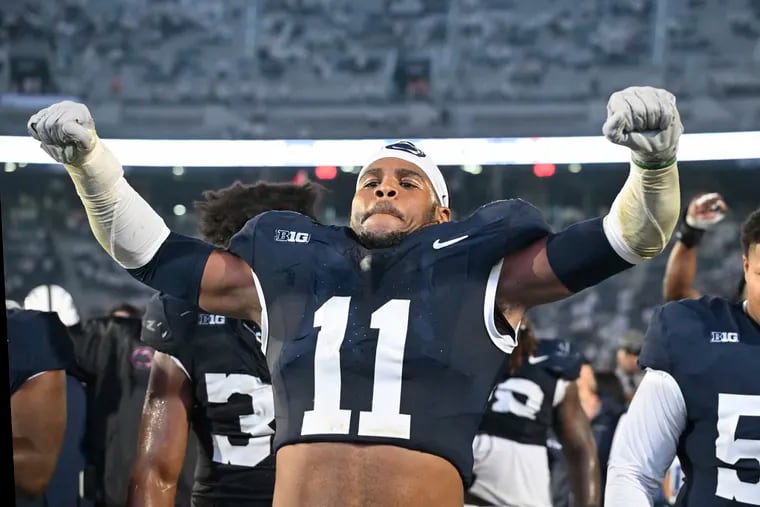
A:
405	150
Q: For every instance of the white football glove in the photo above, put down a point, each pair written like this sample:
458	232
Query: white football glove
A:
65	130
706	210
646	120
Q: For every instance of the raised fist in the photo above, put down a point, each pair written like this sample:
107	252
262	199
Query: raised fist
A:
646	120
706	210
65	130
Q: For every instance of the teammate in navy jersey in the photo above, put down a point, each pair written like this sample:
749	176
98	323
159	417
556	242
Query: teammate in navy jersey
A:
381	337
537	393
209	373
700	399
39	352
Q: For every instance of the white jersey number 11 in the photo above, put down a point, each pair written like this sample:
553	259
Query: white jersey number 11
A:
384	420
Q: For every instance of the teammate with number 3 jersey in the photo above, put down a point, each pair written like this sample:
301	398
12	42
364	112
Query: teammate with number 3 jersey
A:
209	373
380	337
700	399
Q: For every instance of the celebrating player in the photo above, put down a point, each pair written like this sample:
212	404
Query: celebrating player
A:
700	399
703	213
380	337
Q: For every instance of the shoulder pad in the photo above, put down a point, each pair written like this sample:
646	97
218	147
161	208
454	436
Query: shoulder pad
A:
41	341
288	226
671	328
168	322
513	223
563	359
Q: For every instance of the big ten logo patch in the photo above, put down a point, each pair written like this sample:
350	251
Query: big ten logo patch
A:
207	319
724	337
291	236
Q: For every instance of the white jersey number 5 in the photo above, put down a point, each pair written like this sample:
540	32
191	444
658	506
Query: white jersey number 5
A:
729	449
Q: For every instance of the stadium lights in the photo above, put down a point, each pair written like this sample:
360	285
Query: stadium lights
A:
454	152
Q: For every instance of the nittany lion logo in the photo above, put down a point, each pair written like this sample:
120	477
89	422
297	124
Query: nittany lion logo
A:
408	147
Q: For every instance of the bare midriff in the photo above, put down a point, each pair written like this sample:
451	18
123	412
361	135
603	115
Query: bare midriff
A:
357	475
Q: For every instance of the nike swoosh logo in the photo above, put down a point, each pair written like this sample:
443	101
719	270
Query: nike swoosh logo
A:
438	244
537	359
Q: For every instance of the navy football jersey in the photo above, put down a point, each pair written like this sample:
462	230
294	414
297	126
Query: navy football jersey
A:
712	349
393	346
521	407
233	412
37	342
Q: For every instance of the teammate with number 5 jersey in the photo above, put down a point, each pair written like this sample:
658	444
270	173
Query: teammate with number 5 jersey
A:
700	399
209	373
380	337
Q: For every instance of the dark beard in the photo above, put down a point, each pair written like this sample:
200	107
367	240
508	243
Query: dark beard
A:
394	238
370	241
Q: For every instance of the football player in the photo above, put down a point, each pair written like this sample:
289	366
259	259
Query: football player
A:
536	394
703	213
699	399
209	373
39	352
381	337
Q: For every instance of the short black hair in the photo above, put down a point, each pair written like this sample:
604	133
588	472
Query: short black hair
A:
223	212
751	231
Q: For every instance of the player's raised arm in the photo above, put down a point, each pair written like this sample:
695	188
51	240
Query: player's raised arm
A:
639	224
131	231
704	211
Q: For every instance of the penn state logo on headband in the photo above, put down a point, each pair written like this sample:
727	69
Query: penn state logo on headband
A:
408	147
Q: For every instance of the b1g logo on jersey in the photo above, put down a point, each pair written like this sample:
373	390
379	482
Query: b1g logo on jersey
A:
291	236
724	337
206	319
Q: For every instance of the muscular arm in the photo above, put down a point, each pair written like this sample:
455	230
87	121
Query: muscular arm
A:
137	238
574	432
163	436
527	280
680	273
38	422
637	228
227	287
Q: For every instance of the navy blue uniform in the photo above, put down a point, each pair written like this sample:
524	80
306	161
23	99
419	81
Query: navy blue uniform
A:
37	342
712	349
233	411
521	406
390	346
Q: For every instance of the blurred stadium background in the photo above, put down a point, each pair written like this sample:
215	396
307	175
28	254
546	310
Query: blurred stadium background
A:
372	69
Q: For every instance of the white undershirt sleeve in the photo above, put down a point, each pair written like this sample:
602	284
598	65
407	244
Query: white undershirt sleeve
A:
645	442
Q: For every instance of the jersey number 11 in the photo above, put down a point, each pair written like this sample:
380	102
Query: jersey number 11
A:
384	420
